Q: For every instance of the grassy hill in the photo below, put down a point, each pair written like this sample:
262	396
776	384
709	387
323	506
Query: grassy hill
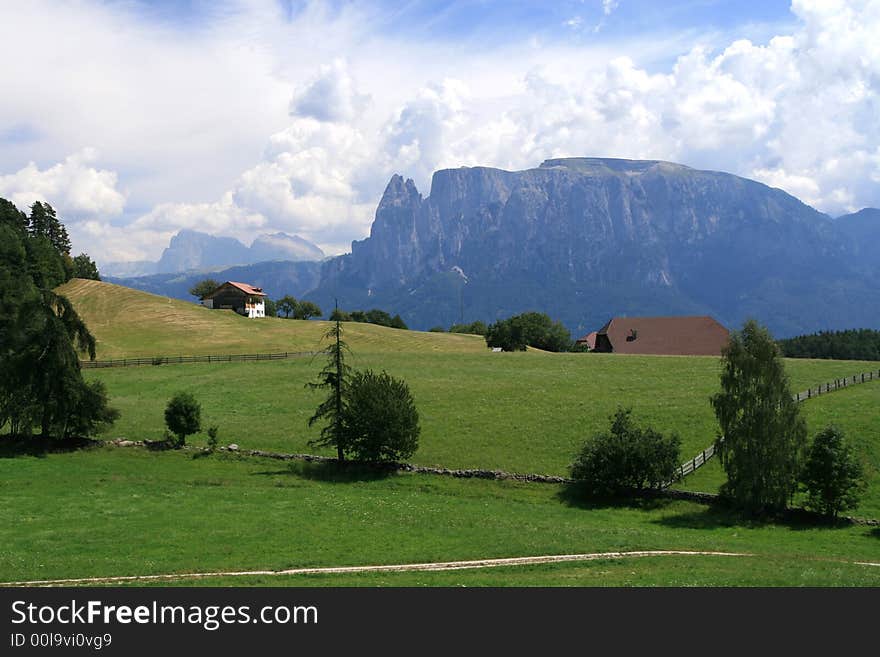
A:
131	323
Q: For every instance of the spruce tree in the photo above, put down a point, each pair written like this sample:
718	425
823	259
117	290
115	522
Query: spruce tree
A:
335	378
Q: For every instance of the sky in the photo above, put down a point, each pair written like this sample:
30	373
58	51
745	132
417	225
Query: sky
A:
136	119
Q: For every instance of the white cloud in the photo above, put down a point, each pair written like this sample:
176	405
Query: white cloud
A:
257	123
73	187
331	96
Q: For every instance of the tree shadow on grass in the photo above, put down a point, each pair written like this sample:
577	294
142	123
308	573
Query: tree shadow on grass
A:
574	495
875	532
15	446
720	515
331	471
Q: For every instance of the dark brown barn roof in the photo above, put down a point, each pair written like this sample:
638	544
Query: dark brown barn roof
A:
674	336
589	339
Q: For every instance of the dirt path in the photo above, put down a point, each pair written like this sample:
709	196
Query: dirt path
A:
408	567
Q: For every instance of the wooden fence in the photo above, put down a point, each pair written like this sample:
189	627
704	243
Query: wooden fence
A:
172	360
700	459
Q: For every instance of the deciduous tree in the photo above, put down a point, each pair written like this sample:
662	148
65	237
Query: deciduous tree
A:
626	458
306	310
183	416
287	305
380	420
204	288
763	432
832	476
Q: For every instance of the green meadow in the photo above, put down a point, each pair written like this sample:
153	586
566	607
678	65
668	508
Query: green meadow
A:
121	511
525	412
104	512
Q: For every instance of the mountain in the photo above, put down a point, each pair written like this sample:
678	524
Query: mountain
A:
280	246
862	229
584	239
277	278
192	250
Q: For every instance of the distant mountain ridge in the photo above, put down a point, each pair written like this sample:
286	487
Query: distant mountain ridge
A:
191	250
277	278
584	239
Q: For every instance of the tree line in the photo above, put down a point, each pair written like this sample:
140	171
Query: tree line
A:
852	344
41	335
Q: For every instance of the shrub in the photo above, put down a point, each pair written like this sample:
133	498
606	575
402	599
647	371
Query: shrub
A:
183	416
212	437
625	458
528	330
92	413
832	475
474	328
380	421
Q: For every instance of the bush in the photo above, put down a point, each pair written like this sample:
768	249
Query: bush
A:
183	416
625	458
212	437
528	330
832	475
92	413
474	328
380	421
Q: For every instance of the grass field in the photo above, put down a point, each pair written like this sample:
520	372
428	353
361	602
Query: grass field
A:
524	412
130	323
111	511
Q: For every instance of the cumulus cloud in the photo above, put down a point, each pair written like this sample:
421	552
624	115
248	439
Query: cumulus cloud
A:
262	124
331	96
421	137
73	187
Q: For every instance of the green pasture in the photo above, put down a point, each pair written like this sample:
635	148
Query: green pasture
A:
524	412
125	511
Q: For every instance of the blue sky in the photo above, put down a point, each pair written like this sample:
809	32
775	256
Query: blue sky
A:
136	119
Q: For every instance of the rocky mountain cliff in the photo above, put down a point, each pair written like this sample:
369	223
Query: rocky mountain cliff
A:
584	239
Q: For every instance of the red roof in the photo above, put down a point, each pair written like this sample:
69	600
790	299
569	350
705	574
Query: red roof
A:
674	336
589	339
247	289
244	287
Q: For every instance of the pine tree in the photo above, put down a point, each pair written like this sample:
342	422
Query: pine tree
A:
334	377
56	232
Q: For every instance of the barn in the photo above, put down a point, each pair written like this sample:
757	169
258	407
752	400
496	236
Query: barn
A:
242	298
588	340
672	336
